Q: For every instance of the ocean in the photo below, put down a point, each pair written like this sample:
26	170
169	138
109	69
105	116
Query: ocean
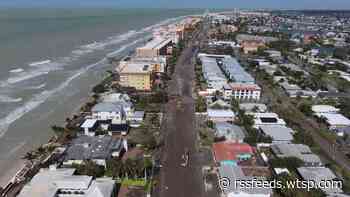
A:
49	61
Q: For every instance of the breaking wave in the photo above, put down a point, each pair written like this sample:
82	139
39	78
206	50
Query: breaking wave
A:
7	99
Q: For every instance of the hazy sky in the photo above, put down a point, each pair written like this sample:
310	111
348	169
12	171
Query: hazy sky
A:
297	4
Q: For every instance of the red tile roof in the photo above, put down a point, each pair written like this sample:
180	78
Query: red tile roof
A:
229	150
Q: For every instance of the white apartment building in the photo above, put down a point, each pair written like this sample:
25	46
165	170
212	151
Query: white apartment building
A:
241	91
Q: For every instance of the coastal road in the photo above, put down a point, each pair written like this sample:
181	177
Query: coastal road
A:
175	180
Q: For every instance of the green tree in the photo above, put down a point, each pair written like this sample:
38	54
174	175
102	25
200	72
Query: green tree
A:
291	163
90	168
59	131
305	108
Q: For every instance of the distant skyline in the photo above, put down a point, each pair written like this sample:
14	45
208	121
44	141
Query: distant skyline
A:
273	4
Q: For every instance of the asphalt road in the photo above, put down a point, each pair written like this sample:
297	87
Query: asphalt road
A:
180	134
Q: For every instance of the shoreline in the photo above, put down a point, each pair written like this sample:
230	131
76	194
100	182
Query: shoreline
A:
19	163
8	177
25	167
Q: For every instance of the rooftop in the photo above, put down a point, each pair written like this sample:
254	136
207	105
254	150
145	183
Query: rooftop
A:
156	43
249	107
244	86
225	151
267	119
234	173
89	123
300	151
212	73
107	107
278	133
335	119
136	67
230	131
324	109
50	182
235	71
115	97
220	113
92	147
319	174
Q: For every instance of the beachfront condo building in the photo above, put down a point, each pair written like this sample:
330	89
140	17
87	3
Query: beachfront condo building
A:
154	48
136	75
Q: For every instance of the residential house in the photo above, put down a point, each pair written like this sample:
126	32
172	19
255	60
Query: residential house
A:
231	153
63	183
300	151
89	127
219	104
95	148
231	132
250	46
331	115
221	115
108	111
253	107
278	133
321	174
234	174
324	109
261	119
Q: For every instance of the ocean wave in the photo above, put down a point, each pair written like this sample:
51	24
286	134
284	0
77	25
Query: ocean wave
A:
38	99
7	99
164	22
26	76
41	86
89	48
17	70
124	47
39	63
32	73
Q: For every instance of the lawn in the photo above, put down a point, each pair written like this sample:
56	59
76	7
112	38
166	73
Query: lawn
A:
134	182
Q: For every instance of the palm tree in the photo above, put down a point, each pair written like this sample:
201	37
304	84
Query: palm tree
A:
41	150
57	130
115	166
30	156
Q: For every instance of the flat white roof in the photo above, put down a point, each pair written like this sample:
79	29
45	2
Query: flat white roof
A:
156	43
324	109
265	115
89	123
220	113
335	119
